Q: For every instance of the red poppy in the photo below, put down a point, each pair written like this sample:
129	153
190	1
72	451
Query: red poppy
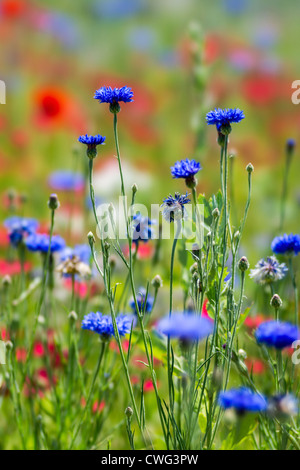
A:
12	8
12	267
38	349
260	90
256	366
21	354
253	322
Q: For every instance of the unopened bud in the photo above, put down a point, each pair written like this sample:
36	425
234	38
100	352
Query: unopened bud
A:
9	346
243	264
72	316
157	282
53	202
250	168
6	281
128	412
91	238
276	301
134	188
216	213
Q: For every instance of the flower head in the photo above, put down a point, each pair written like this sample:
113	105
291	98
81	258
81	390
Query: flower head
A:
145	304
74	267
185	326
103	325
91	141
20	227
277	334
142	228
64	180
185	169
40	242
286	244
223	118
83	252
113	96
269	270
173	207
242	399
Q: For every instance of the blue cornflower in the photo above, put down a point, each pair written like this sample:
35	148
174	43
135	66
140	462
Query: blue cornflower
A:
223	118
145	304
186	169
173	207
103	325
286	244
92	140
277	334
40	242
185	326
83	252
64	180
290	145
242	399
114	96
142	228
269	270
19	227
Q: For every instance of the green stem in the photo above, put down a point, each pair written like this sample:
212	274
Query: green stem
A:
90	394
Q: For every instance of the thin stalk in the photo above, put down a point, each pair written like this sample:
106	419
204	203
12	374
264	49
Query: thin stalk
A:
90	394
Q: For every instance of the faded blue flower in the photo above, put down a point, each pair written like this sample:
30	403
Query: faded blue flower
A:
40	242
142	228
19	228
145	304
269	270
64	180
173	207
185	326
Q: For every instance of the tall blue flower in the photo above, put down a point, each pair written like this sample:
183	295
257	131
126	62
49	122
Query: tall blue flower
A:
142	228
65	180
277	334
185	326
269	270
173	207
19	228
40	242
114	96
242	399
103	325
186	169
286	244
223	118
91	141
145	304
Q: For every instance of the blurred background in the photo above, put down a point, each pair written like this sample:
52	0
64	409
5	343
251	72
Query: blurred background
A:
182	58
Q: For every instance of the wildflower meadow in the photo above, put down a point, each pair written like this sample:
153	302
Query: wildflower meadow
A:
150	238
